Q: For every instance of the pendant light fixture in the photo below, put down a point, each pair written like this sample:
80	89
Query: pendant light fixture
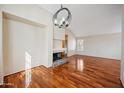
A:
62	17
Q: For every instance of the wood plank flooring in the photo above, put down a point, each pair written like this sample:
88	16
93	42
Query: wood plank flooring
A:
79	72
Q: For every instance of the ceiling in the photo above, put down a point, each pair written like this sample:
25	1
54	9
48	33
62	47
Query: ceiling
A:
89	19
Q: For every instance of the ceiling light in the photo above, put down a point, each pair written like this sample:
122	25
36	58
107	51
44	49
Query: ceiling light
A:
62	21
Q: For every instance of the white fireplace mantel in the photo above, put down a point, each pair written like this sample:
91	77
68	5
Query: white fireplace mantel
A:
59	50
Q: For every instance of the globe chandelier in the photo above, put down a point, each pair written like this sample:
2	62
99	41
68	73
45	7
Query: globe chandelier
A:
62	17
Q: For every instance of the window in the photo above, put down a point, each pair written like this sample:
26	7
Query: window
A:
80	44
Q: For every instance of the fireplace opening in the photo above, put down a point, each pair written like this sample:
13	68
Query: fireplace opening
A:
57	56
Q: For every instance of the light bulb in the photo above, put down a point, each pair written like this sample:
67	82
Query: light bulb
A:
60	24
66	24
63	19
55	22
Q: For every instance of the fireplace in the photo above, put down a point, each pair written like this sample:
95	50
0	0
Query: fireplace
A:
57	56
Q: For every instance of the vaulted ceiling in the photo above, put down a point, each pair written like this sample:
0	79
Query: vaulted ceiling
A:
89	19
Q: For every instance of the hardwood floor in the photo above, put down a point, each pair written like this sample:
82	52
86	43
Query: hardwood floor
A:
79	72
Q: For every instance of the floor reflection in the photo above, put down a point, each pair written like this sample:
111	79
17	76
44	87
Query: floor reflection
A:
67	76
27	69
80	65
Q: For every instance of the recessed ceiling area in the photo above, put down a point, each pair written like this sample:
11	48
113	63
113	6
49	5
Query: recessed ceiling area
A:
91	19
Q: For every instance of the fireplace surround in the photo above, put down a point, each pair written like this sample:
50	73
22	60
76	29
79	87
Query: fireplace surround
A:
59	58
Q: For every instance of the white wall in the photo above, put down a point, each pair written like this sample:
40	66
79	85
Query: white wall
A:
106	46
57	44
71	42
21	40
122	56
59	33
1	49
36	14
